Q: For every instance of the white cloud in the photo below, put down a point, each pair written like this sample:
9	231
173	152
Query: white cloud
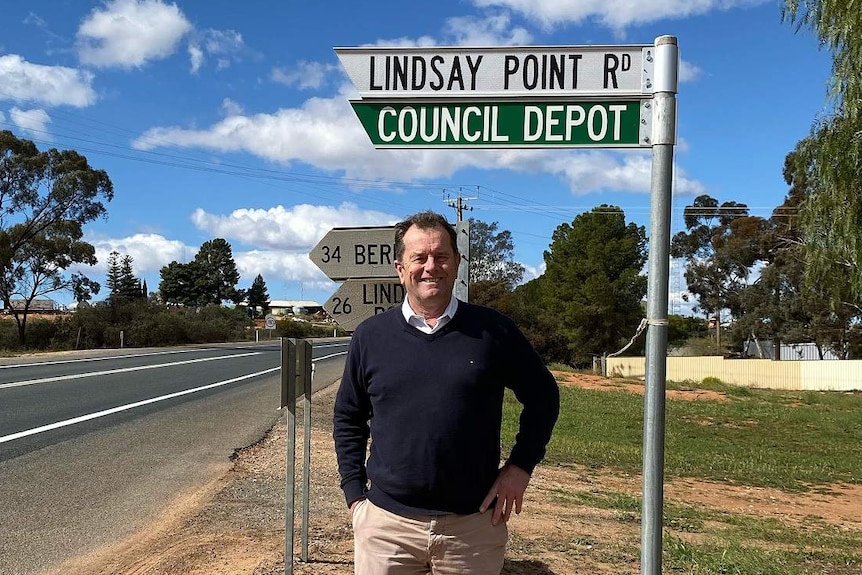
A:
532	272
129	33
150	252
307	75
48	85
35	20
33	121
222	42
491	30
614	14
588	172
225	45
277	266
230	108
487	30
196	55
297	228
688	72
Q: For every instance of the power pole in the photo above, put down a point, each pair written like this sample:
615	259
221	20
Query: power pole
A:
459	203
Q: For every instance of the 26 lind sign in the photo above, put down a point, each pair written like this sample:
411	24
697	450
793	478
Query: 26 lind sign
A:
557	123
357	300
455	71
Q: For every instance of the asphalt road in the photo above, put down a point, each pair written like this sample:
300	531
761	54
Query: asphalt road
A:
93	446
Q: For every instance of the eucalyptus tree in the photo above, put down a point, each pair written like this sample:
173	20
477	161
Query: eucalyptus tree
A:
46	198
494	273
721	244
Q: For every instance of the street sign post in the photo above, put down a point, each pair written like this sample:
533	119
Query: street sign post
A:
359	299
346	253
504	71
506	124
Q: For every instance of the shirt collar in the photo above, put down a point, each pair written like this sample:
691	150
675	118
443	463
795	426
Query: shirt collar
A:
417	320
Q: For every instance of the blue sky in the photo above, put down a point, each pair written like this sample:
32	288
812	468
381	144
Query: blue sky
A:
231	119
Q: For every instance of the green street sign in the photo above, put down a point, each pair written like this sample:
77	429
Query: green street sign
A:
506	124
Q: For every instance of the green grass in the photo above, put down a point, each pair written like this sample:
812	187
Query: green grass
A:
794	441
764	438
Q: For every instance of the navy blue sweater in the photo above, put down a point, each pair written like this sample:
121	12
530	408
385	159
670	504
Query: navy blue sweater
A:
432	406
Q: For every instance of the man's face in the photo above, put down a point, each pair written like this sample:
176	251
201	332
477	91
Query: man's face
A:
428	269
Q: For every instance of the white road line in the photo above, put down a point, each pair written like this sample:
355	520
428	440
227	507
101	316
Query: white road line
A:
61	361
121	370
126	407
330	356
337	344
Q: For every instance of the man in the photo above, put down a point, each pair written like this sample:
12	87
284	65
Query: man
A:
425	383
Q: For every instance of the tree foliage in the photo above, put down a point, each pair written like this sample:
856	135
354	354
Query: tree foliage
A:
217	273
592	289
832	153
493	271
210	278
720	245
121	279
45	200
257	296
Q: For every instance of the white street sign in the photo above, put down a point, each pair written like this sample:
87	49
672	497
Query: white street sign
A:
269	321
357	300
346	253
499	71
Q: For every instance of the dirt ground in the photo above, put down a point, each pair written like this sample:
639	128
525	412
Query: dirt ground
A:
236	524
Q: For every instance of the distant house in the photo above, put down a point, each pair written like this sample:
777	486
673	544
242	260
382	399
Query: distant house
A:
290	307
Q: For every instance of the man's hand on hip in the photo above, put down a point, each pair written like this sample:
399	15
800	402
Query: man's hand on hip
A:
509	490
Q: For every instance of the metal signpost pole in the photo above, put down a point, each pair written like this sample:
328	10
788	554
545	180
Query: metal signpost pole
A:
305	369
664	128
288	400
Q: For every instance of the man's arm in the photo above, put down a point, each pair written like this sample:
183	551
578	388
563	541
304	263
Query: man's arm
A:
351	429
535	387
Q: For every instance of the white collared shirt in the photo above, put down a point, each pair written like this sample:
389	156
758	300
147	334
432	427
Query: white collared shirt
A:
419	322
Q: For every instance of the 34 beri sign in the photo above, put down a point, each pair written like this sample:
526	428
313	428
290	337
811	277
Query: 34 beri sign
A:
361	252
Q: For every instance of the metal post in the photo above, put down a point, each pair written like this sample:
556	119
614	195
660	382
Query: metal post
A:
664	130
304	387
288	399
462	285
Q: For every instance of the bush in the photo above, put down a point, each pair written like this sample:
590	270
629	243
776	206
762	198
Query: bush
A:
300	329
142	324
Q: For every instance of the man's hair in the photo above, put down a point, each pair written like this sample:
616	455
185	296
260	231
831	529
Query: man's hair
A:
427	220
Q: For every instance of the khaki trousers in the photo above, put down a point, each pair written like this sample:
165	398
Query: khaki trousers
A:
389	544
